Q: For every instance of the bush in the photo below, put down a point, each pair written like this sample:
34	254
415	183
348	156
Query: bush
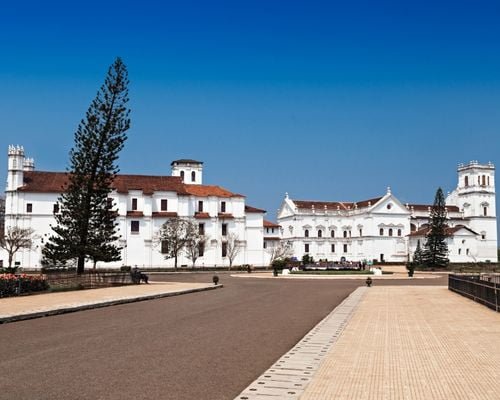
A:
307	259
12	285
279	264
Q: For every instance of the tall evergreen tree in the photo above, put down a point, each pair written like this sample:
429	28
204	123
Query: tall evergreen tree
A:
417	255
86	227
435	252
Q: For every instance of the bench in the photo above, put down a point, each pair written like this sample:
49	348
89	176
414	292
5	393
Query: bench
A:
137	276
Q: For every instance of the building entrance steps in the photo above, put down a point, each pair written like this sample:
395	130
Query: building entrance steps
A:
39	305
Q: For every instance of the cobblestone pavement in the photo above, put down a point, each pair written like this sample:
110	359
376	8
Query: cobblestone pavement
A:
413	343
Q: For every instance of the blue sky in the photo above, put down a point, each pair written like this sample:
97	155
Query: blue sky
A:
324	100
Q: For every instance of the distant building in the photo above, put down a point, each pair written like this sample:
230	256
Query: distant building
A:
2	215
143	204
384	229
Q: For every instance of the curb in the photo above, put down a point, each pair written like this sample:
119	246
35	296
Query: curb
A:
66	310
289	376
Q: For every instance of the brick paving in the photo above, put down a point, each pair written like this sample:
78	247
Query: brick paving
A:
33	306
411	342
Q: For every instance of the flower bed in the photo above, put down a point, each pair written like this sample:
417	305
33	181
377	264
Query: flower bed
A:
14	285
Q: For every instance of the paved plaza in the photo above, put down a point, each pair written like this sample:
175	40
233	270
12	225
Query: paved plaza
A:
399	339
33	306
413	343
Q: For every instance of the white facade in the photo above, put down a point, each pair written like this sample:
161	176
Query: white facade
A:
367	230
143	204
383	229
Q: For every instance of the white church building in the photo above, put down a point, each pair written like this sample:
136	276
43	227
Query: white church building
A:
143	204
385	230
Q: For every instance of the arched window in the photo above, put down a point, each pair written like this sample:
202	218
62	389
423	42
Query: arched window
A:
484	180
182	175
399	232
306	233
466	181
193	176
485	211
332	233
390	232
381	231
320	233
345	234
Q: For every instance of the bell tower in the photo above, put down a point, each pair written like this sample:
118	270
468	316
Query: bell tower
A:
475	196
15	169
191	171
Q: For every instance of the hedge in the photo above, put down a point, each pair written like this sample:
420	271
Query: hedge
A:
13	285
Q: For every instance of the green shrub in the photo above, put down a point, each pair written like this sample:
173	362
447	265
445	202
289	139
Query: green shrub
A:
12	285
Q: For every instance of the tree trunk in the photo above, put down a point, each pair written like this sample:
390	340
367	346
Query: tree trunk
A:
10	259
81	265
175	263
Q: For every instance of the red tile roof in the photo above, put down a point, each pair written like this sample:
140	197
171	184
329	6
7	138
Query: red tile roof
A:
164	214
269	224
250	209
225	216
53	182
201	215
449	231
209	190
335	205
135	214
426	207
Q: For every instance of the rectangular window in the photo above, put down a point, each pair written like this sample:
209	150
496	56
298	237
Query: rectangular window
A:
272	230
265	244
163	205
345	248
267	230
200	206
360	232
55	209
29	207
134	204
224	249
164	247
306	248
201	249
201	229
333	248
223	206
134	226
224	229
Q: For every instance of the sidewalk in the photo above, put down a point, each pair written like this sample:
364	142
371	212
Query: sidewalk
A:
400	342
413	343
39	305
